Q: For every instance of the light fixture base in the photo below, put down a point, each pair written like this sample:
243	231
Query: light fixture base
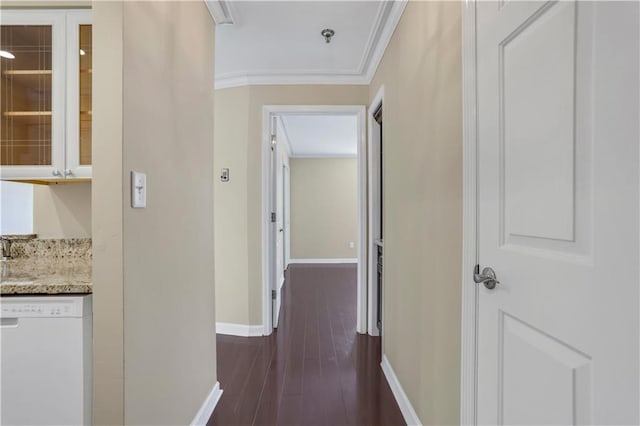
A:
327	33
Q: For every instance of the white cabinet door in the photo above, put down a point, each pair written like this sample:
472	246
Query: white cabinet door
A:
46	94
79	91
33	94
558	96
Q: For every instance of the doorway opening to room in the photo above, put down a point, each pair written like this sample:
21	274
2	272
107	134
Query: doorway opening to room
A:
315	205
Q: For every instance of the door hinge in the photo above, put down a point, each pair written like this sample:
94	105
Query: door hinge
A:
273	217
273	295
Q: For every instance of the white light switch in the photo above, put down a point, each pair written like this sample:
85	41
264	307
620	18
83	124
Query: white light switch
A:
138	190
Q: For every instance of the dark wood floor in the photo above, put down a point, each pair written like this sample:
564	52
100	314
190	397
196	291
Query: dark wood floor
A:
315	369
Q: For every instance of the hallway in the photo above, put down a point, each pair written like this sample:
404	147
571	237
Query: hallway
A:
315	369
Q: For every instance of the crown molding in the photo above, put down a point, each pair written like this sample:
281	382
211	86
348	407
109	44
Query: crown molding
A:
373	40
220	11
267	78
387	18
386	30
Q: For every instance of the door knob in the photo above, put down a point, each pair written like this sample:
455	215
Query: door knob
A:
487	277
68	172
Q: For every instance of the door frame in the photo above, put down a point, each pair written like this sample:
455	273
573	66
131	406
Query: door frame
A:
268	186
469	350
286	201
373	180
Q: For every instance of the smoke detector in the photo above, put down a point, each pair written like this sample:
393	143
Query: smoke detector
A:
327	33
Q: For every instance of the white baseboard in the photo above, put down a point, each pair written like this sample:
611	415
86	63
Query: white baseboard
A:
239	329
206	410
294	261
409	414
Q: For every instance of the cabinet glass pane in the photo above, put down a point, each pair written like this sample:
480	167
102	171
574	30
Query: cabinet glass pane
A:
25	92
86	55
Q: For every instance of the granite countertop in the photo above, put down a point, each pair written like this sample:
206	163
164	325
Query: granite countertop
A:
45	276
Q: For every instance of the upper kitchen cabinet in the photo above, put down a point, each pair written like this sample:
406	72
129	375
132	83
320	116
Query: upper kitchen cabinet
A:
45	91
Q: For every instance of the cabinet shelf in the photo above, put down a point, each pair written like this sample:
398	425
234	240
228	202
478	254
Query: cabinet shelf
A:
26	72
27	114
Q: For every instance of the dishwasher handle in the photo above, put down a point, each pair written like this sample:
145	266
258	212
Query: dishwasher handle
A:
8	322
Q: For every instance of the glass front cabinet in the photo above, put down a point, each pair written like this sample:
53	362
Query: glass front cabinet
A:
45	94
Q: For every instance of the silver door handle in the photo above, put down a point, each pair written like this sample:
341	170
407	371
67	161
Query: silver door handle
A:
281	229
487	277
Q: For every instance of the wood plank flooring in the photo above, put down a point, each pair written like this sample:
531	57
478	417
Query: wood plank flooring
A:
315	369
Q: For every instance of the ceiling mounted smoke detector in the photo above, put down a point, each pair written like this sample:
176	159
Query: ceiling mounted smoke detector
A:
327	33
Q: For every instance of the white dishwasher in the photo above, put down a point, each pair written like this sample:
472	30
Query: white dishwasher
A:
46	358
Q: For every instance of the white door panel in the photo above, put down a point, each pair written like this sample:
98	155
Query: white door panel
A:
558	212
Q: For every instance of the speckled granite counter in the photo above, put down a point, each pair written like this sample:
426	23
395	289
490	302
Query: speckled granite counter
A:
47	267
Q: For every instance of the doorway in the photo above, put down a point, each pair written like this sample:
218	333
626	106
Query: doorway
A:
276	198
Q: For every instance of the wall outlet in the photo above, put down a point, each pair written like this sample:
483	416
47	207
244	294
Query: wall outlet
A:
352	244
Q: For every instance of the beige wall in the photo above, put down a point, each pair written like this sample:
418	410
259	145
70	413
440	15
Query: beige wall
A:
324	208
62	211
107	204
169	320
231	249
161	320
421	74
247	150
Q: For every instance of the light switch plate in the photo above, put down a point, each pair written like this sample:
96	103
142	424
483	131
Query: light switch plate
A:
138	190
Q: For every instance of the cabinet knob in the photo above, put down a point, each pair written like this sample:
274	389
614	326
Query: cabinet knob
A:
67	172
56	172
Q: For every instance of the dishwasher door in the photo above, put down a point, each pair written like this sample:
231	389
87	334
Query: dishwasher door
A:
45	373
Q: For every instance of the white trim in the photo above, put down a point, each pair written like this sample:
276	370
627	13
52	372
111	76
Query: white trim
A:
324	156
206	410
468	386
225	81
320	261
407	410
75	18
386	33
220	11
240	330
387	19
268	112
372	320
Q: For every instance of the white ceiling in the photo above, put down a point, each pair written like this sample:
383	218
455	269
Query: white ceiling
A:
279	42
320	135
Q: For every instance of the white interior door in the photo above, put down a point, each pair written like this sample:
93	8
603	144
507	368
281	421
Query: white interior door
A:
279	239
277	229
558	197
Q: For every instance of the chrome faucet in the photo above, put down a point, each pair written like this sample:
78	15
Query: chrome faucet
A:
6	247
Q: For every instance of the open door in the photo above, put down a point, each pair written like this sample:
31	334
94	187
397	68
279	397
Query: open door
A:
278	221
558	198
